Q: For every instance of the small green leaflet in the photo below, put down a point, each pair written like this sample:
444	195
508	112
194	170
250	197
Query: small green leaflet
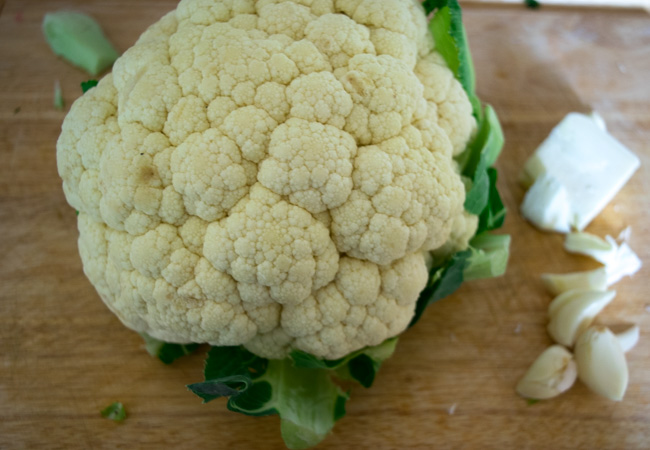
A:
450	38
307	400
532	4
478	157
88	84
487	144
532	401
79	39
448	279
494	213
166	352
114	411
360	366
489	257
364	367
307	361
229	372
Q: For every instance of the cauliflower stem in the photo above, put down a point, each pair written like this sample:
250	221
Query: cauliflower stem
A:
306	399
299	388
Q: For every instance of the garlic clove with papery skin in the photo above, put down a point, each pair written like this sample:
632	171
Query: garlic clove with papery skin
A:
553	372
573	311
601	362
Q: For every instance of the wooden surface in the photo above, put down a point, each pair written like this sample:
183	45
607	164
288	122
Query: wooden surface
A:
64	356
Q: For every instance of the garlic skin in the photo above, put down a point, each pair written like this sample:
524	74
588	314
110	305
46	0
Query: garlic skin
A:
573	311
556	284
629	338
552	373
626	263
601	362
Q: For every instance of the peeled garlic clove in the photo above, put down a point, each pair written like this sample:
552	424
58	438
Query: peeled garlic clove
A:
601	362
566	297
556	284
572	312
553	372
628	338
589	244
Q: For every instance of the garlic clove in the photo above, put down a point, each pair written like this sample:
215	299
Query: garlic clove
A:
601	362
591	245
566	297
573	311
556	284
628	338
553	372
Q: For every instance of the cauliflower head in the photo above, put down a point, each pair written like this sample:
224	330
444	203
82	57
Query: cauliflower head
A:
269	173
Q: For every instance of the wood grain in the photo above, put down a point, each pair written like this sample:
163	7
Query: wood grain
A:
65	356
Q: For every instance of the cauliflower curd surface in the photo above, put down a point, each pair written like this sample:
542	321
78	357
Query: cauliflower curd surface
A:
269	173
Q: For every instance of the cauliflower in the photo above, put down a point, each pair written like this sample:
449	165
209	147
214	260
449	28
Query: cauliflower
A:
270	174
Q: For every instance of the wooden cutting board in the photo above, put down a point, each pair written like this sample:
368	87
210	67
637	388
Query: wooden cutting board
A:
64	356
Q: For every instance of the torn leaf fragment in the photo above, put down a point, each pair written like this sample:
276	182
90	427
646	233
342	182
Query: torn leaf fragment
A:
79	39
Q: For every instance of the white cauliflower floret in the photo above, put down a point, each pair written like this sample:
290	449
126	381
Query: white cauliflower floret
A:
463	229
446	100
340	38
210	173
270	174
319	97
266	241
386	94
405	198
311	163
